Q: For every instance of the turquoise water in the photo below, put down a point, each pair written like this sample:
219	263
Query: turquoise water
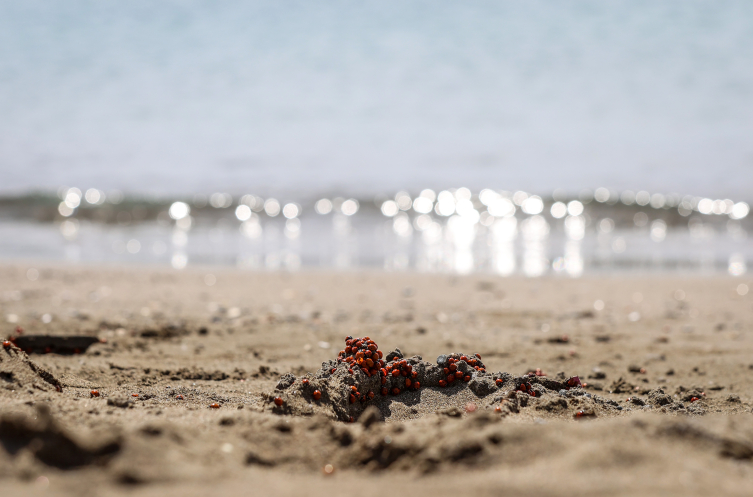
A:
307	99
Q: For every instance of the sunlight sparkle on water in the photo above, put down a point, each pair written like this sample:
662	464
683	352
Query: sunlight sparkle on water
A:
179	210
323	206
456	230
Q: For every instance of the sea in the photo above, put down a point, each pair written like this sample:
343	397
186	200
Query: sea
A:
444	136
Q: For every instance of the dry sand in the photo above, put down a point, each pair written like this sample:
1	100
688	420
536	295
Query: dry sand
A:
168	333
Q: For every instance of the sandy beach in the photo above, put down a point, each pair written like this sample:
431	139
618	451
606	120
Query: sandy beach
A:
376	248
187	366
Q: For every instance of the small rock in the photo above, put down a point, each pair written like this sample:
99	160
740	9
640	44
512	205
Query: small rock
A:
482	386
553	404
286	381
370	416
598	374
453	412
119	402
523	398
395	354
657	397
688	394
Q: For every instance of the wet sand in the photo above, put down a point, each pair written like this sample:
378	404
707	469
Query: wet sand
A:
165	334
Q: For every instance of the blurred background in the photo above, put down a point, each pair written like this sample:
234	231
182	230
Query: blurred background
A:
532	138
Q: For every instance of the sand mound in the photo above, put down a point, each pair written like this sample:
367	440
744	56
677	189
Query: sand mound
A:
410	388
18	371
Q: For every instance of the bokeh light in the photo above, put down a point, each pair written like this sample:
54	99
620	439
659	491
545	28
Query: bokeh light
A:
179	210
445	204
601	195
642	198
350	207
574	208
403	200
323	206
243	212
739	211
94	196
390	208
533	205
271	207
501	207
558	210
291	210
422	205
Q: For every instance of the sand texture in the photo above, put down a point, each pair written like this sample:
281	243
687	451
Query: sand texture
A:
235	387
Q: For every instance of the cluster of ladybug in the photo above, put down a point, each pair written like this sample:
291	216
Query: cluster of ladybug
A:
362	353
451	370
399	368
526	387
356	395
523	387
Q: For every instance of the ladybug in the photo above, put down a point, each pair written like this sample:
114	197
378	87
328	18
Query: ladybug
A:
573	382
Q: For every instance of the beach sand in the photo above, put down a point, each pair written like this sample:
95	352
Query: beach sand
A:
225	337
